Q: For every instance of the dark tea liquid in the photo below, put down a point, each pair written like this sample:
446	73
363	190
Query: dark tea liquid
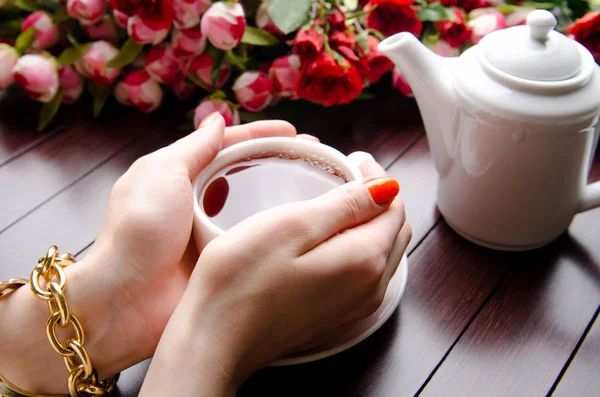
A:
246	188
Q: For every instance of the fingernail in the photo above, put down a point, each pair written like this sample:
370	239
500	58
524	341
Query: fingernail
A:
383	189
360	157
211	118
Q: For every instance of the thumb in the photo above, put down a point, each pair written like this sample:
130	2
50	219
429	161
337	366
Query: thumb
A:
347	206
196	150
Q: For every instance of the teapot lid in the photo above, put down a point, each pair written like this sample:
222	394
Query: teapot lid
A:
533	52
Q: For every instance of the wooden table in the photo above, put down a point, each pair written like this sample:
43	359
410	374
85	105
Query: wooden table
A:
472	322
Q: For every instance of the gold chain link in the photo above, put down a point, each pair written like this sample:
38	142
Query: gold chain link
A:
83	378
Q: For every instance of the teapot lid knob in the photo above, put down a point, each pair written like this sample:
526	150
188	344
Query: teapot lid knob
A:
541	23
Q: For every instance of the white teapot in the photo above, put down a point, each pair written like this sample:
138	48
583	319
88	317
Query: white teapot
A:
511	124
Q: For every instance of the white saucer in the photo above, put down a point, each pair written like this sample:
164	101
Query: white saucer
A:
364	328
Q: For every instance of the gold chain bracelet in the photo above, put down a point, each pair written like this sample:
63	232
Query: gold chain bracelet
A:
83	378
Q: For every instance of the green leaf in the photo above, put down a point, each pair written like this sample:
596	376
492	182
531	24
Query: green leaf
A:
126	54
216	69
25	40
365	96
28	5
351	4
289	15
258	37
249	117
218	94
236	60
435	12
72	39
361	40
101	94
70	55
61	15
49	110
13	26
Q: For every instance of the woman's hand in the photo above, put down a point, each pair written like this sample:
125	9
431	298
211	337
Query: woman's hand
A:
282	281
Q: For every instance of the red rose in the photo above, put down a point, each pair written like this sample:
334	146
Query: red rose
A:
467	5
587	32
341	39
393	16
456	33
156	14
323	81
309	43
336	19
375	63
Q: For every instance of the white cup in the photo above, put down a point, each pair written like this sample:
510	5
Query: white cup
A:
204	229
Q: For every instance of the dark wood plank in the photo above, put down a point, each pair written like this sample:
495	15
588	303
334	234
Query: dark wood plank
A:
581	378
63	159
520	342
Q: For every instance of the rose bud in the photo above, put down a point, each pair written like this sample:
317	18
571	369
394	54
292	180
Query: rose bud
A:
224	24
38	76
8	59
162	65
375	63
71	84
342	39
263	19
585	31
187	12
469	5
92	64
253	90
200	72
86	11
145	33
104	29
336	19
188	42
139	90
284	73
484	21
446	50
121	18
455	33
183	88
399	82
46	32
309	43
393	16
519	17
226	108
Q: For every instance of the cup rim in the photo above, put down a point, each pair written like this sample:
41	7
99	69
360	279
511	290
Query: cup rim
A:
239	151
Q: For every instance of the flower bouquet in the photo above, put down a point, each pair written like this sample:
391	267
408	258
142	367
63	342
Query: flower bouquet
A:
239	54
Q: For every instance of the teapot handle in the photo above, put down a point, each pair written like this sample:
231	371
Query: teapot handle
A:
591	197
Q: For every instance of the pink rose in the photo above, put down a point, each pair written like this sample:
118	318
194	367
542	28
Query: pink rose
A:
263	19
71	84
200	72
253	90
188	12
444	49
162	65
92	65
188	42
121	18
37	75
183	89
226	108
284	73
86	11
46	32
142	33
399	82
8	59
224	24
139	90
483	21
104	29
519	17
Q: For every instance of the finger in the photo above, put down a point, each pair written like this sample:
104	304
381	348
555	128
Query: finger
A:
308	137
343	208
199	148
366	164
258	129
395	257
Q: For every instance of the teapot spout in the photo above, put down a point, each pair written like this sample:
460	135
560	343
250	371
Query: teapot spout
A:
430	77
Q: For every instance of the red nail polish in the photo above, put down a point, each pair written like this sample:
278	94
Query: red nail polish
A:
383	189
